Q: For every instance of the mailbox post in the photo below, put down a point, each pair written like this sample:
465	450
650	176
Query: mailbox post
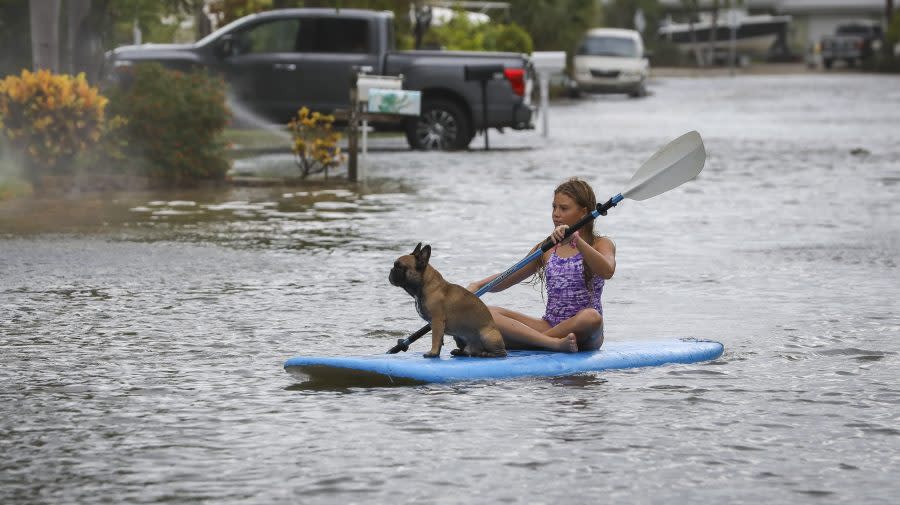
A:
546	64
379	98
364	83
483	74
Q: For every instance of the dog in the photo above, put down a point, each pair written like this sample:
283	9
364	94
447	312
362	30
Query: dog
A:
450	308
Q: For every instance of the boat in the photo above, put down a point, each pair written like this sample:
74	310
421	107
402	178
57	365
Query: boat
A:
759	35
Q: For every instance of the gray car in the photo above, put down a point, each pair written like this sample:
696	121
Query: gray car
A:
278	61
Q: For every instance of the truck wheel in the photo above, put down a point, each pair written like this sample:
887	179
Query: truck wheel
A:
442	126
827	62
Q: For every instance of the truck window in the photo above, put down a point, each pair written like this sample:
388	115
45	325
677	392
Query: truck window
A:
279	36
855	30
335	35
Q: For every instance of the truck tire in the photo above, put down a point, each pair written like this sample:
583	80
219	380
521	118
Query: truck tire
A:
827	62
442	126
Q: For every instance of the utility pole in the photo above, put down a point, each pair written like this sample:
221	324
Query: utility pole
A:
889	16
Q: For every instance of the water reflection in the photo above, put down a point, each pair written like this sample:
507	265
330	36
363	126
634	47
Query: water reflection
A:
321	214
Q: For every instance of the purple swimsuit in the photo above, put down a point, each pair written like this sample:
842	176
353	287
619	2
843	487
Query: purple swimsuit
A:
566	292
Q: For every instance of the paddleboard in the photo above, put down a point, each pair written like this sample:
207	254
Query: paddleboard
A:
412	368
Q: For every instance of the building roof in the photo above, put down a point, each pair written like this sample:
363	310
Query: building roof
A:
797	6
830	6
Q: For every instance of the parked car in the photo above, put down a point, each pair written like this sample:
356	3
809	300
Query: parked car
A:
612	60
278	61
852	43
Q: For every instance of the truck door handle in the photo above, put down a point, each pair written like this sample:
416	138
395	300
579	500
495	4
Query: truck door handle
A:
285	66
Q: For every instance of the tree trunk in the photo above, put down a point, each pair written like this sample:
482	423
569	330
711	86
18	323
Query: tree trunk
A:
45	34
202	25
79	51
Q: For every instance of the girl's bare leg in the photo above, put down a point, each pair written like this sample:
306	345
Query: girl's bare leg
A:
587	325
524	332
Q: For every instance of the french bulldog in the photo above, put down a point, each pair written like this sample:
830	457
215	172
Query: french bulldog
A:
450	308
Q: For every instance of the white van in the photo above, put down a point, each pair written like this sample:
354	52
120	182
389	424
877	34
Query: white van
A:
612	60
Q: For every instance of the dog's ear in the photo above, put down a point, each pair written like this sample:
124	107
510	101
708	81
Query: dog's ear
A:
422	257
416	250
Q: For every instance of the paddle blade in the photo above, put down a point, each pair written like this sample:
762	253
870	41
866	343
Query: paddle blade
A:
673	165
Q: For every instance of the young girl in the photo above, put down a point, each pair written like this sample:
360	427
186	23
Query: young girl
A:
574	273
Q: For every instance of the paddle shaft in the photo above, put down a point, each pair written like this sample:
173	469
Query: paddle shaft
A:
403	343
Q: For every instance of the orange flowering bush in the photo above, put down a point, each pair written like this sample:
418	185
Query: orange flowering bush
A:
51	118
315	142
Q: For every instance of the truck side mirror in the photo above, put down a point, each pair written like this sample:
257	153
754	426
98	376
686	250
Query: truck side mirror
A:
225	46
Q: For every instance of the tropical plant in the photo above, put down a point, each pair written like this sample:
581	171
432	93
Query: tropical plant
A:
49	119
315	142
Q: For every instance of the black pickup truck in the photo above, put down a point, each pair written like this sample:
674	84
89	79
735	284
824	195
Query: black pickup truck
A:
278	61
852	43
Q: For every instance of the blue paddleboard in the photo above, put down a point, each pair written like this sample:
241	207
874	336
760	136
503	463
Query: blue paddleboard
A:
411	367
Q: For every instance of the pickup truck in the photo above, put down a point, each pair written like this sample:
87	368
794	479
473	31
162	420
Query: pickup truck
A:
851	43
280	60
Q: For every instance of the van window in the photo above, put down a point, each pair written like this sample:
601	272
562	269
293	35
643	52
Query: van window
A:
609	46
334	35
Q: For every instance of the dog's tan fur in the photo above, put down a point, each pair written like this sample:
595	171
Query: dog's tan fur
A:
450	308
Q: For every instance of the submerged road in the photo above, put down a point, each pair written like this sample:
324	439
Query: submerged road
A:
142	335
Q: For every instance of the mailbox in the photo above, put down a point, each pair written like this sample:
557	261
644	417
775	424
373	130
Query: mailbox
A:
483	72
366	82
549	62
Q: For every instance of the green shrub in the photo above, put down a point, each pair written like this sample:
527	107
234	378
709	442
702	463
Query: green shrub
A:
175	124
893	32
459	34
509	38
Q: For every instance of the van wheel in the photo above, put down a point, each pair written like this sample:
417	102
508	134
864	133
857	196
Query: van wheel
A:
639	91
442	126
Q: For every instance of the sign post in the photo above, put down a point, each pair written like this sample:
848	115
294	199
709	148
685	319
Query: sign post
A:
734	17
546	64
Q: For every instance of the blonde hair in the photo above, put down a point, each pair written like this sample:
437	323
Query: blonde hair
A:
583	195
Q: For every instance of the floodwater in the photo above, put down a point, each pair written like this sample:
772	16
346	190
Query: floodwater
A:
143	335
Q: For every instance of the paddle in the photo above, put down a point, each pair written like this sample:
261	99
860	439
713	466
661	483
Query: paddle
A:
673	165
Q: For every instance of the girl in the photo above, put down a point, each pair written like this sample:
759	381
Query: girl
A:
574	273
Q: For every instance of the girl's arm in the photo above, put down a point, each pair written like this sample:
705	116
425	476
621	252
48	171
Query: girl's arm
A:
517	277
601	257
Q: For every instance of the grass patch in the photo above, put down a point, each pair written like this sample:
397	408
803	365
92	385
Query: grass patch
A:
257	139
13	187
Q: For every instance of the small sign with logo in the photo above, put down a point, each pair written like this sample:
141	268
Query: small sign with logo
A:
395	101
